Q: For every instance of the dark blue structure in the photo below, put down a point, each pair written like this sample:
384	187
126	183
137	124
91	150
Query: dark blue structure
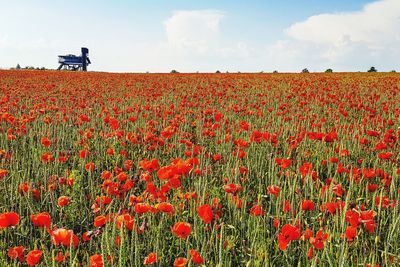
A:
72	62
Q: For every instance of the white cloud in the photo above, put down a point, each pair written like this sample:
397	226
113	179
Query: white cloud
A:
351	40
377	22
195	41
198	29
347	41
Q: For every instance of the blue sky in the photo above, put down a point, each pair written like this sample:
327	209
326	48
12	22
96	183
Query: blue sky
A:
157	36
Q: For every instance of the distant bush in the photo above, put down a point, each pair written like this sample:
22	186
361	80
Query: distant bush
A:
305	71
174	71
329	71
372	69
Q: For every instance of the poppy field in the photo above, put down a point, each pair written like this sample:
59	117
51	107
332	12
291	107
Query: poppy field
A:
102	169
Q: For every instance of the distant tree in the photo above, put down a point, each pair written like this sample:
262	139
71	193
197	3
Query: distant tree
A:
305	71
275	71
217	71
18	67
329	71
174	71
393	71
372	69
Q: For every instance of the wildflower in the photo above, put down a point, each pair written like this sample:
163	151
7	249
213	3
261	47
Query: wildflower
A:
205	213
150	259
182	229
34	257
288	233
8	219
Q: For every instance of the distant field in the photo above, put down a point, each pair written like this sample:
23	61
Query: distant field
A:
108	169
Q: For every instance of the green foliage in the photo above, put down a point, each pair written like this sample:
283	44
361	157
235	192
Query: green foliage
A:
305	71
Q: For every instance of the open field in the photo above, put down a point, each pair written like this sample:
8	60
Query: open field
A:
215	169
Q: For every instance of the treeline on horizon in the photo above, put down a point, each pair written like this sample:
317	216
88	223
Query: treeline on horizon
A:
305	70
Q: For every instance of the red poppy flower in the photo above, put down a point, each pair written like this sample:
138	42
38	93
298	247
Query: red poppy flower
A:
122	177
99	221
60	257
385	155
256	210
286	206
84	153
331	136
205	213
128	164
373	133
288	233
89	167
232	188
372	187
34	257
273	190
319	239
63	201
86	236
42	219
305	169
64	237
47	157
307	205
283	163
307	234
310	253
125	219
196	257
96	260
182	229
180	262
141	208
3	173
166	172
8	219
351	233
276	223
217	157
16	252
149	165
150	259
380	146
330	207
45	141
105	175
166	207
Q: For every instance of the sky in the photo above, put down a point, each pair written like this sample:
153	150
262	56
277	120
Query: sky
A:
204	36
